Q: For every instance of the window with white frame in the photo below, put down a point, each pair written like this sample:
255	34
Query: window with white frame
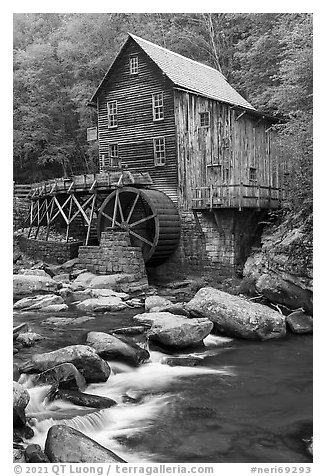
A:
158	108
159	151
114	150
204	119
112	114
133	64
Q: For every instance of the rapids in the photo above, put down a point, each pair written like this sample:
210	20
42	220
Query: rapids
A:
241	401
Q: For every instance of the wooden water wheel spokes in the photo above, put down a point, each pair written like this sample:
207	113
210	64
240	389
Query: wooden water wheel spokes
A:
149	216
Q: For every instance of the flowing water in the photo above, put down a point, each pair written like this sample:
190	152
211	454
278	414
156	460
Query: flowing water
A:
243	402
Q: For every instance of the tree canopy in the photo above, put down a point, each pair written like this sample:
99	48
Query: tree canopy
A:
60	58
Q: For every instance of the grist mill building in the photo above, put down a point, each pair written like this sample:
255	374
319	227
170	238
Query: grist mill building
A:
187	167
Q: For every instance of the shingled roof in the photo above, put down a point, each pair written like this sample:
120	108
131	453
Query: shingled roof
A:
188	74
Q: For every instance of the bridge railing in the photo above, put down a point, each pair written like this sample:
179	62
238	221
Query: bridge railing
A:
237	196
22	190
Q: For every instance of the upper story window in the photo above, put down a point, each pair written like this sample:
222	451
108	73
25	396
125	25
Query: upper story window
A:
252	174
112	114
158	108
133	64
159	151
204	119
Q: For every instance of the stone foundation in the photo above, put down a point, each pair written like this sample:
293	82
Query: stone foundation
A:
216	242
114	255
49	251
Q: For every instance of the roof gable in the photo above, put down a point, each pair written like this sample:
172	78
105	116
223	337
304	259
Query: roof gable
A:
186	73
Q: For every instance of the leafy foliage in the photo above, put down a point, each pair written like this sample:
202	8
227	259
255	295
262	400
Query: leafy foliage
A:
60	58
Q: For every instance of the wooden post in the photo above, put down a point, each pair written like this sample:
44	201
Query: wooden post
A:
69	221
90	219
241	196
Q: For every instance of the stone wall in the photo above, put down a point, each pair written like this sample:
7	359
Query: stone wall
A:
216	242
49	251
114	255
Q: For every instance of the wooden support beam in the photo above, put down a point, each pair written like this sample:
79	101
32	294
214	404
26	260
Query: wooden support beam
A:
218	224
68	224
81	207
240	115
90	219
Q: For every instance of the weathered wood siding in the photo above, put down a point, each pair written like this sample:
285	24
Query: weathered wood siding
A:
223	153
136	128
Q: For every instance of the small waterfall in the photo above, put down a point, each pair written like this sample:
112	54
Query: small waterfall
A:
150	384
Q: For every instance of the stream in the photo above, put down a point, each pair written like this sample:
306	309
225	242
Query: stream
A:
244	401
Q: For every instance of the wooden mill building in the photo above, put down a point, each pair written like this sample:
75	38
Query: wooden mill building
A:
188	168
202	143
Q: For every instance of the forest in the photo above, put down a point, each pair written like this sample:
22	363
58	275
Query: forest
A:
60	58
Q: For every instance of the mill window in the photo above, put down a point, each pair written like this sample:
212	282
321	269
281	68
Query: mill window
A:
252	174
133	64
112	114
204	119
114	150
158	109
159	151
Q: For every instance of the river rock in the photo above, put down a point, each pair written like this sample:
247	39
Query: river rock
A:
97	293
130	331
176	331
67	445
19	455
102	304
282	270
116	348
156	301
177	308
38	302
135	302
84	358
56	308
28	284
34	454
300	323
35	272
62	278
20	396
236	317
16	372
29	338
82	399
66	321
64	376
90	280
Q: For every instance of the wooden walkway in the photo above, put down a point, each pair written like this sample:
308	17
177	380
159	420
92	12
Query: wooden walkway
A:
89	183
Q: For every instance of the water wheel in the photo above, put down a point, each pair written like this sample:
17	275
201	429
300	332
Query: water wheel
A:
149	216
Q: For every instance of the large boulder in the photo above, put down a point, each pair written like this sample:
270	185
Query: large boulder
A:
235	316
67	445
84	358
20	396
24	285
176	331
64	376
90	280
102	304
282	270
38	302
116	348
20	401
